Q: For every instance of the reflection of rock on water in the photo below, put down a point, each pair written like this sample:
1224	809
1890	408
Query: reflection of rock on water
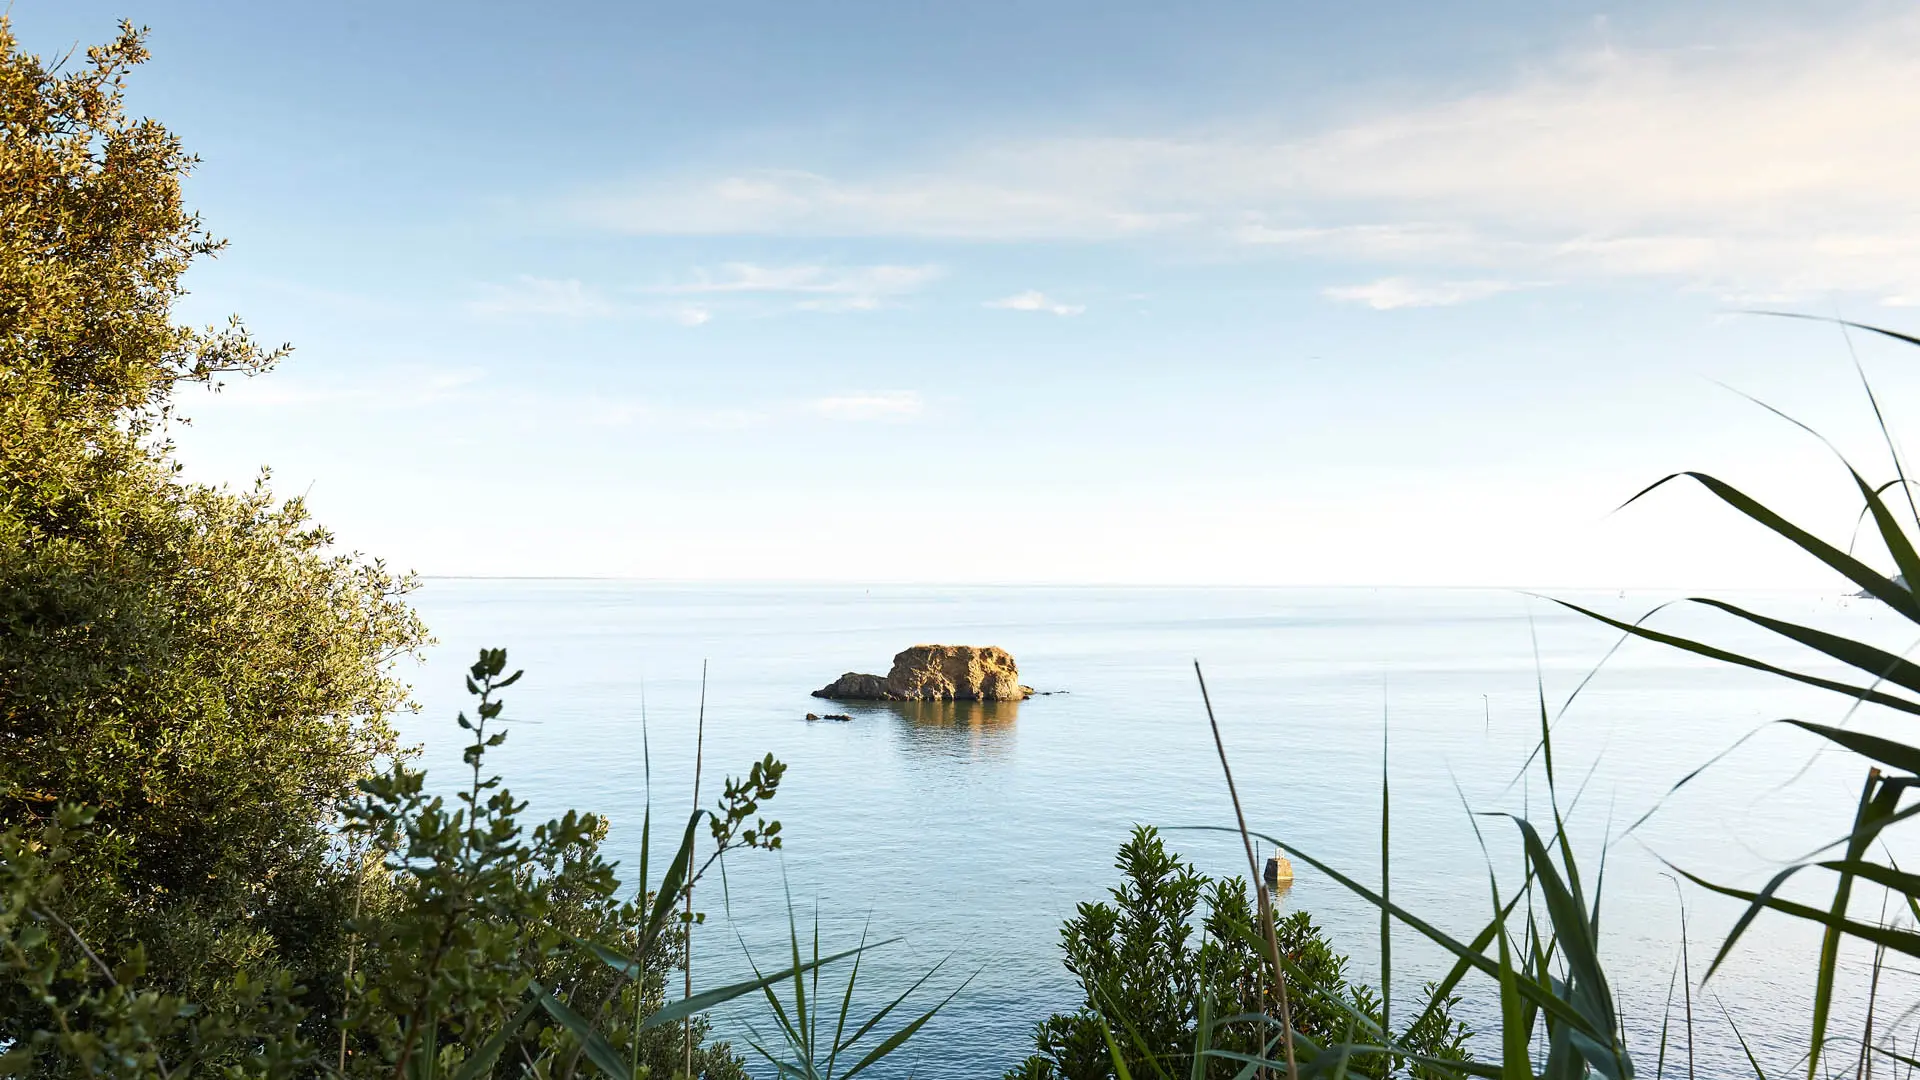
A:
978	715
956	731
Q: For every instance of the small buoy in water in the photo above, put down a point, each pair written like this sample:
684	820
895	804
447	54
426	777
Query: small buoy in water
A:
1279	872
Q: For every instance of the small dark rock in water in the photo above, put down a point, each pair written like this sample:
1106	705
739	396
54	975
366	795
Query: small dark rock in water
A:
836	716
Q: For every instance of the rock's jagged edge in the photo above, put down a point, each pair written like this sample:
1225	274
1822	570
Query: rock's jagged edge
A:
936	673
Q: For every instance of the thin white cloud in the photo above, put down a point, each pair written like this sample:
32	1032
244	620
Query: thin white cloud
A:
943	204
1400	241
1035	300
818	287
1396	292
669	416
528	295
815	287
1779	162
889	405
400	388
805	278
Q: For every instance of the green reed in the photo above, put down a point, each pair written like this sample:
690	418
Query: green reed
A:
1539	948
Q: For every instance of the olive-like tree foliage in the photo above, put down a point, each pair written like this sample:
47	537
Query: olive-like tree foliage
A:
198	666
212	860
481	947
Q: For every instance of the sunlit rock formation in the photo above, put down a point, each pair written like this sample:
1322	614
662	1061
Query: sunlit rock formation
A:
937	673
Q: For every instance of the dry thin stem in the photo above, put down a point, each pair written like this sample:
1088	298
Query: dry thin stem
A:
699	751
353	947
1253	868
54	917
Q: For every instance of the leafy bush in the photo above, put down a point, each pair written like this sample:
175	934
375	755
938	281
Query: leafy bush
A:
1155	996
481	947
92	1018
194	665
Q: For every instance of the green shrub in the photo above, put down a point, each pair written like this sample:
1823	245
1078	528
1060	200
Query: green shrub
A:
1155	981
480	947
194	665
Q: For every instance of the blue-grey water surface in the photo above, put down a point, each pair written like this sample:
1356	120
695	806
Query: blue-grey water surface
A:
973	832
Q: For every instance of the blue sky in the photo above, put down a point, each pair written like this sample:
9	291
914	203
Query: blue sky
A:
1227	293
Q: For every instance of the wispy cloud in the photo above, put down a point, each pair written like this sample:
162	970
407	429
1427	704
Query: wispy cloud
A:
958	200
817	287
1035	300
1779	162
805	278
889	405
804	287
1396	292
886	405
400	388
628	412
528	295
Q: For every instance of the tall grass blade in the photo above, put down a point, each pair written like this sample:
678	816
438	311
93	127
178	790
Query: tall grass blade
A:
1666	1022
1878	585
1386	887
846	1004
1723	655
1598	1040
666	899
1901	941
1879	663
1260	885
1911	1063
894	1041
1873	803
1202	1030
1896	755
707	999
1546	1001
699	755
598	1049
1886	435
1758	1072
1890	532
1120	1070
1912	896
480	1062
1882	331
874	1020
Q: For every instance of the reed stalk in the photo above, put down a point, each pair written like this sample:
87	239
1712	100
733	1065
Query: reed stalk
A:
1260	883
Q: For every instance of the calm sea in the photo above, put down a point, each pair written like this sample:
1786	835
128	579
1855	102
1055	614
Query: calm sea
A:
972	833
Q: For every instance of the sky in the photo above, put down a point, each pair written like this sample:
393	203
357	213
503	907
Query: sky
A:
1226	293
